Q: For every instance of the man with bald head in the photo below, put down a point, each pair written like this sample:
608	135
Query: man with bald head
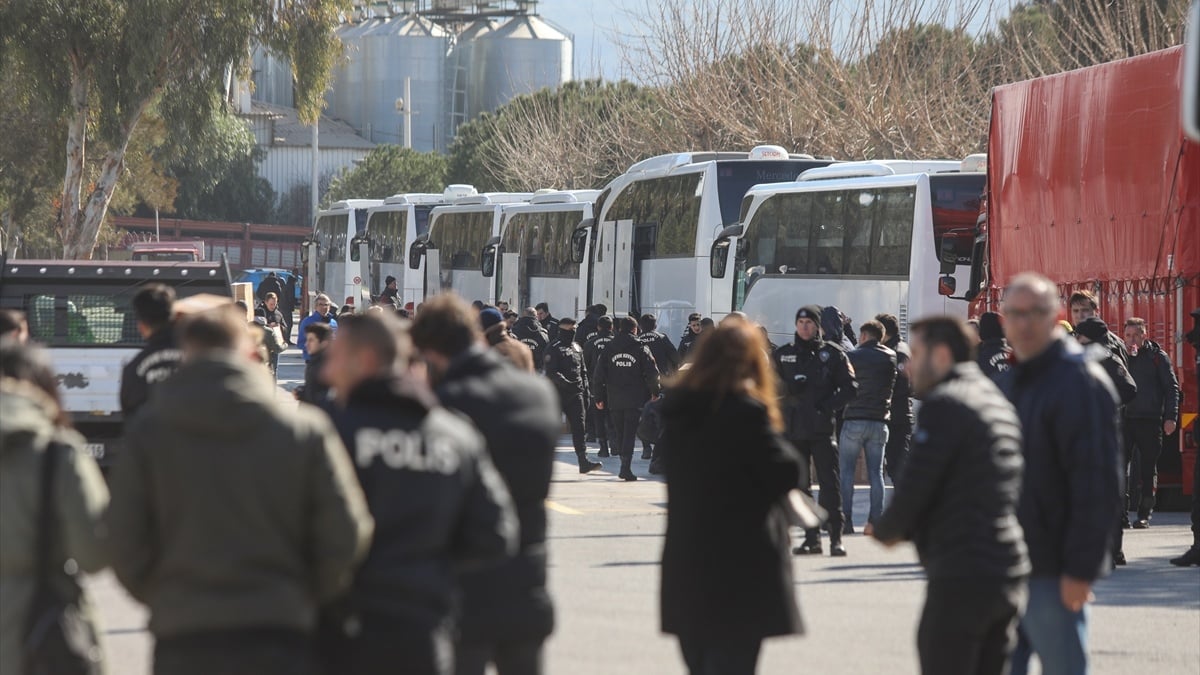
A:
1068	412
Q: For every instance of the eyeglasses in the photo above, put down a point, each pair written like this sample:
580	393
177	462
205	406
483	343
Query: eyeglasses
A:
1027	314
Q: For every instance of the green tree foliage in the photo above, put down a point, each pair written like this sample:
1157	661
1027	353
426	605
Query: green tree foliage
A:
101	65
217	178
390	170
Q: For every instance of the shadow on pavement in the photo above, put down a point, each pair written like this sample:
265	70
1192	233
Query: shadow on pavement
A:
1150	583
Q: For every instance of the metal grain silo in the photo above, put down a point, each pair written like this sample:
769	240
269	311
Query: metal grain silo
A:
405	47
458	71
524	55
272	77
345	97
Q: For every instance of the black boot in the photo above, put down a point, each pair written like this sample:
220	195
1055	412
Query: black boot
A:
1192	557
647	451
811	545
586	465
626	471
603	449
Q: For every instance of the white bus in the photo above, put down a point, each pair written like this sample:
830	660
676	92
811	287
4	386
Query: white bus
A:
453	249
885	241
532	262
331	255
650	242
391	228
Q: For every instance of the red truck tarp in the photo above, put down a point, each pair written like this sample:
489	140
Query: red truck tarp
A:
1090	178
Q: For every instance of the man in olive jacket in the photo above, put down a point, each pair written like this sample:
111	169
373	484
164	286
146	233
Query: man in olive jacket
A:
233	516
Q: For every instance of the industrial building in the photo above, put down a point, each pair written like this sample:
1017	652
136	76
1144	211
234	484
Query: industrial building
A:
458	58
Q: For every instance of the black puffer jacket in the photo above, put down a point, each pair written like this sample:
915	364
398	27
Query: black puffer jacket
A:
901	417
875	373
1071	487
666	357
994	357
625	376
438	502
518	415
817	384
564	367
1157	389
157	361
956	497
530	333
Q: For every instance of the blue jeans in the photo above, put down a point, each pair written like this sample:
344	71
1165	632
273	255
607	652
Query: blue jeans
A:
1057	635
858	436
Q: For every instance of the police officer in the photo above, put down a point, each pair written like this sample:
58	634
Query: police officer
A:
817	382
159	359
666	357
597	419
564	367
624	380
529	332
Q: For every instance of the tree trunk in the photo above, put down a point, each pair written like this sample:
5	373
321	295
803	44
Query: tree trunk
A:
76	145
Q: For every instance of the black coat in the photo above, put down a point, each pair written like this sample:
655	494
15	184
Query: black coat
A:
565	369
625	377
315	390
587	328
1116	370
1072	483
436	499
875	373
726	567
687	342
270	284
551	326
593	347
666	357
994	357
956	497
901	416
816	385
157	361
1157	389
518	415
530	333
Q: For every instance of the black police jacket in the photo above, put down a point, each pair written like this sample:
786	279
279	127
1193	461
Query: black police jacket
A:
586	328
530	333
157	361
726	568
551	326
875	373
666	357
901	415
687	342
817	383
1071	487
594	347
625	376
956	496
1157	389
994	357
518	415
564	367
437	501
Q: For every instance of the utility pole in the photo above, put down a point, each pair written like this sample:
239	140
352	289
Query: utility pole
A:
316	170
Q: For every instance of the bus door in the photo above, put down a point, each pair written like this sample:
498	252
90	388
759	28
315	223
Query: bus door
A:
603	258
433	271
622	274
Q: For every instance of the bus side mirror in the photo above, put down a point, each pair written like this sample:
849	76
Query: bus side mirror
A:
947	285
415	253
718	259
947	256
488	261
579	245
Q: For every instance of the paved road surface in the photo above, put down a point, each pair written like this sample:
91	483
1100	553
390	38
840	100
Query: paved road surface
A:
861	611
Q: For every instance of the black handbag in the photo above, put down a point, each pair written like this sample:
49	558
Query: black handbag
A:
58	639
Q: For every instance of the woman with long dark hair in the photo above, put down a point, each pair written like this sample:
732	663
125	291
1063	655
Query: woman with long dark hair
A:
726	569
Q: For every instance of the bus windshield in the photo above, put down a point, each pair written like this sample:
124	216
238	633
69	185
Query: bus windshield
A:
856	232
460	238
543	240
386	230
421	211
331	237
735	178
956	199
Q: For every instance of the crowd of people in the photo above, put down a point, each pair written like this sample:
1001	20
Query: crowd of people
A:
396	518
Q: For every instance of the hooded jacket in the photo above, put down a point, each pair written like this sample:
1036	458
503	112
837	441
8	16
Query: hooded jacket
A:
625	377
832	328
1071	484
816	383
519	417
80	499
875	373
726	567
1157	389
437	501
232	510
155	363
530	333
956	496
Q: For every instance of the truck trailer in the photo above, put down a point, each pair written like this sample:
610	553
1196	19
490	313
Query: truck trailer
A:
1092	183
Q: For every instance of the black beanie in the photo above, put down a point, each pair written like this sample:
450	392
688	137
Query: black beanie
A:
1093	329
809	312
989	326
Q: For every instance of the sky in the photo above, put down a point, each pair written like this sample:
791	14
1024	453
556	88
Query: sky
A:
597	25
